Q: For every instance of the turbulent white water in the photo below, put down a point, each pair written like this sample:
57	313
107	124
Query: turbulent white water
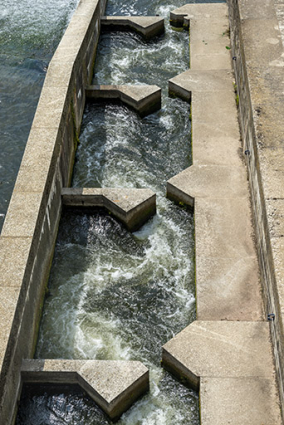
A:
113	294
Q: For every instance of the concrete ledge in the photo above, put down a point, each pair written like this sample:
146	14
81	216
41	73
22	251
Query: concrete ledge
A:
209	34
133	207
231	362
207	81
207	181
113	385
147	26
246	400
143	99
183	15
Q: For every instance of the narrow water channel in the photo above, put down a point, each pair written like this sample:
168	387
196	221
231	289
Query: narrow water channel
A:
113	294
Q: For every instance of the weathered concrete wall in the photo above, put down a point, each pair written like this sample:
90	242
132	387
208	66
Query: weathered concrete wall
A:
257	54
227	351
29	232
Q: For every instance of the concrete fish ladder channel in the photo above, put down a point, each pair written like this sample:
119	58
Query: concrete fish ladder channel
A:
28	236
226	352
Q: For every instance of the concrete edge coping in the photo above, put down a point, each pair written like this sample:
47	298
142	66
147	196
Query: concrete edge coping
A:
144	99
147	26
133	207
113	385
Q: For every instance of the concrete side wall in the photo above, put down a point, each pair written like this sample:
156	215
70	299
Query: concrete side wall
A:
254	45
29	232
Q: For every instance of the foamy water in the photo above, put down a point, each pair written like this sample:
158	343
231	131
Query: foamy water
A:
113	294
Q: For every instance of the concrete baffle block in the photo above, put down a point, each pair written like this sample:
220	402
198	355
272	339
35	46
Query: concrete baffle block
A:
147	26
143	99
113	385
133	207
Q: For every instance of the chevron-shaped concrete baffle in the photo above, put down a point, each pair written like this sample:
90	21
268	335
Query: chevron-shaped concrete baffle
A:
133	207
231	362
143	99
147	26
207	181
113	385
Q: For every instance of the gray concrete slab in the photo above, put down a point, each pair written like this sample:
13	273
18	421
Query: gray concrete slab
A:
209	30
223	228
14	255
217	109
277	245
144	99
253	9
272	171
217	61
198	12
131	206
220	350
39	160
114	385
51	109
8	301
228	289
275	212
147	26
247	400
205	81
211	181
22	215
57	76
264	46
209	149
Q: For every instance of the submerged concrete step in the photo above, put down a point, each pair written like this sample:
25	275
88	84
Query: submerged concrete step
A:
113	385
143	99
147	26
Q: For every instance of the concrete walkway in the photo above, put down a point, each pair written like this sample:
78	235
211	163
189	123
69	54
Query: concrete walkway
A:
228	348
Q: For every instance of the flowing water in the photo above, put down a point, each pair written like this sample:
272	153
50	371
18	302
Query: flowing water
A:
29	34
113	294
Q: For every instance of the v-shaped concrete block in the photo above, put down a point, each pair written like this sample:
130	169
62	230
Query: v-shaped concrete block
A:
113	385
